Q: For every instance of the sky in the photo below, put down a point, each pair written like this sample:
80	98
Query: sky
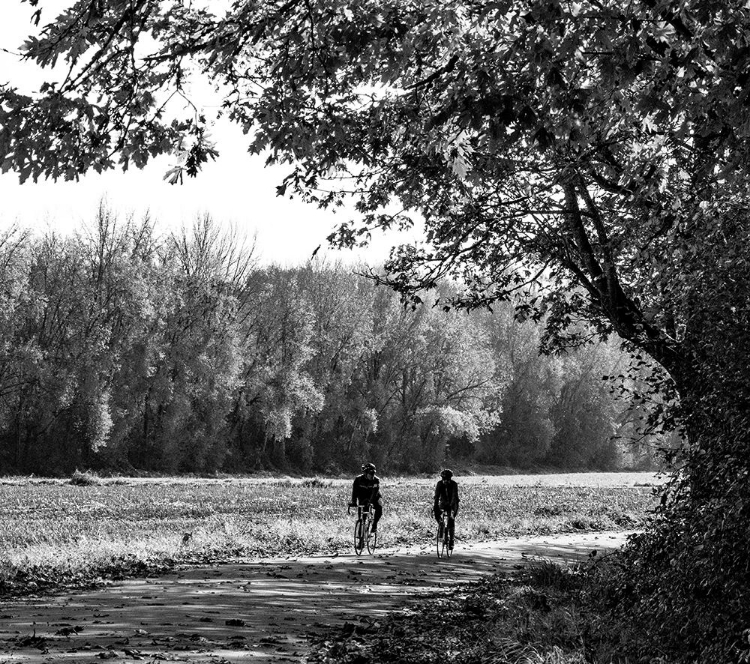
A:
235	190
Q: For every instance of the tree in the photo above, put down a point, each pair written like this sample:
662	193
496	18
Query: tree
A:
590	156
277	385
434	382
15	358
557	412
585	413
58	356
196	356
341	304
524	433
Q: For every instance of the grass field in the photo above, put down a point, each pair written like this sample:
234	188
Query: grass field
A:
54	533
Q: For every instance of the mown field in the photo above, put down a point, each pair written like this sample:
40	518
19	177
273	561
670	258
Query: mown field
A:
54	533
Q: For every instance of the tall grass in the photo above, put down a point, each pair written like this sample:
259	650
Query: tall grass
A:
80	531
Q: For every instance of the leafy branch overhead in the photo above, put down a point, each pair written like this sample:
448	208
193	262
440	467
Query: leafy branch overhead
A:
581	141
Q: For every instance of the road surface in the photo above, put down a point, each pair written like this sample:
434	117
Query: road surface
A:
263	611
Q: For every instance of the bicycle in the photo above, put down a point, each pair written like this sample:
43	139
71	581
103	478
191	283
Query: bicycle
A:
363	532
443	537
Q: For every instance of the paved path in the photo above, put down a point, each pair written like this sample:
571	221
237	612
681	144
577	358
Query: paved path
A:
262	611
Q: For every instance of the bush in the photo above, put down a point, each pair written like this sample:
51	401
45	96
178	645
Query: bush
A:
85	478
316	483
682	586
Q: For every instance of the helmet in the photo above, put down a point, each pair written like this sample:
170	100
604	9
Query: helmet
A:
446	474
368	467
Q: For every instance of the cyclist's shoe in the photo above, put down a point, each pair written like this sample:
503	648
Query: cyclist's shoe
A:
450	545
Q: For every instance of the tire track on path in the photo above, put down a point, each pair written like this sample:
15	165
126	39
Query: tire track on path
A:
259	610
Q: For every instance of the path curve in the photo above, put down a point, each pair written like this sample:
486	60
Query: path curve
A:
262	610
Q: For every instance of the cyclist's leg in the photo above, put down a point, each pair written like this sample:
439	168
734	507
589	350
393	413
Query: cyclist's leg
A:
451	528
442	510
367	525
441	514
359	535
378	513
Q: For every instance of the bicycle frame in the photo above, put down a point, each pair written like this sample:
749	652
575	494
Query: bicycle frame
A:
442	539
363	533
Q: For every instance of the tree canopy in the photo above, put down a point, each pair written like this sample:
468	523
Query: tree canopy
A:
590	157
589	142
122	350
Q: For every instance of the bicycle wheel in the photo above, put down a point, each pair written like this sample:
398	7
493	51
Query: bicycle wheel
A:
439	543
372	537
359	537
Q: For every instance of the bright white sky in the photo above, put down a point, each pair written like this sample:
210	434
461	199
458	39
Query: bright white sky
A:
236	189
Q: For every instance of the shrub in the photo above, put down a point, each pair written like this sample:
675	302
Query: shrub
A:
85	478
316	483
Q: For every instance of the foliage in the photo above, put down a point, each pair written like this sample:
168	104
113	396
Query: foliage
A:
690	589
79	478
587	141
684	582
532	618
123	350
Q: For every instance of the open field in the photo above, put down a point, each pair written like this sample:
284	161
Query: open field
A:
54	533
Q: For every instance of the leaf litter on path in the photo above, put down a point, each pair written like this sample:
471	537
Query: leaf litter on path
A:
250	610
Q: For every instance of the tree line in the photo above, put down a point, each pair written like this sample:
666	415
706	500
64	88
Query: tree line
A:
124	350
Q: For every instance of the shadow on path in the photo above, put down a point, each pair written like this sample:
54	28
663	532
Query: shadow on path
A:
257	610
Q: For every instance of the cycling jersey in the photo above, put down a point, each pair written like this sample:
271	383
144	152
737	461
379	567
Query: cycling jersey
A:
446	496
366	490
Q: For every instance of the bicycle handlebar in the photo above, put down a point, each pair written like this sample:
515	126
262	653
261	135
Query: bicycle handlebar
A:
362	507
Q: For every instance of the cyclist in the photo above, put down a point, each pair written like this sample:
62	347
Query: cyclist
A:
446	499
366	490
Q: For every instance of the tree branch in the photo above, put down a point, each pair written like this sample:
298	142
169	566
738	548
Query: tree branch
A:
448	67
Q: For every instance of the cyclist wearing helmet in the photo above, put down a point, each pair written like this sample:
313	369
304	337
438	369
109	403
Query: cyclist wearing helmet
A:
366	490
446	499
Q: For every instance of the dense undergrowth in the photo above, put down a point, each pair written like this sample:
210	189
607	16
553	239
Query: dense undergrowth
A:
533	617
544	614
